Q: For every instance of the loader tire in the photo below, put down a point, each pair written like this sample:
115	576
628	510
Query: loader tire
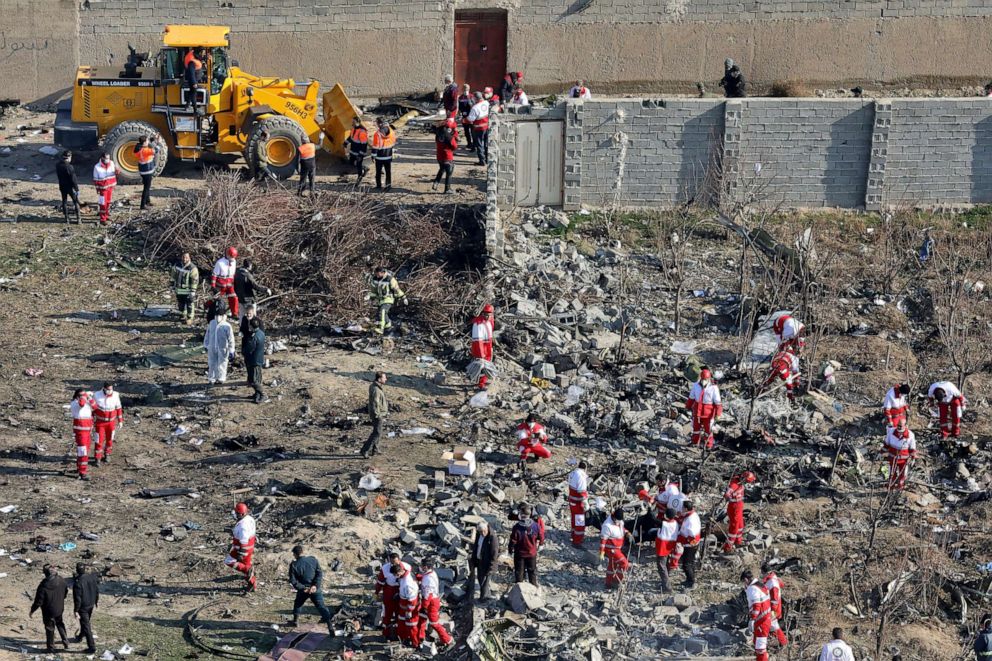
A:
120	142
285	138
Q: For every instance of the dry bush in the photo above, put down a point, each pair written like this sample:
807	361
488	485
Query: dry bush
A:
316	253
788	88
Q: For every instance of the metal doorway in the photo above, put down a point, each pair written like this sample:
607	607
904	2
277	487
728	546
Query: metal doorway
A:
480	48
539	163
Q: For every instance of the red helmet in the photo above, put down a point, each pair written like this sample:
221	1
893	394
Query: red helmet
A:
705	373
451	123
241	509
749	477
488	308
488	90
232	252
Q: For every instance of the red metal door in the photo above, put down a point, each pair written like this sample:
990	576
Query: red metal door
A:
480	48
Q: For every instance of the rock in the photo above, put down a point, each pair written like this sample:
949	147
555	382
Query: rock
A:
524	597
422	492
439	378
680	601
544	371
718	637
962	471
695	646
448	534
408	537
604	340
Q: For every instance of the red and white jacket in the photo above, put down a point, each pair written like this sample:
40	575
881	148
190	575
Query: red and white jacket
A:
668	537
104	176
759	603
773	584
951	393
107	408
578	487
243	537
479	116
785	365
704	402
529	435
430	586
82	414
663	499
409	599
483	329
387	578
611	536
895	406
691	529
735	491
900	444
788	328
223	275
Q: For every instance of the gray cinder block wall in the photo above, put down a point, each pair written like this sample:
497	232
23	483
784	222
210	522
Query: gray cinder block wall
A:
843	153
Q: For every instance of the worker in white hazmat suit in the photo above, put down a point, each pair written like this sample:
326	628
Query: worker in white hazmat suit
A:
219	343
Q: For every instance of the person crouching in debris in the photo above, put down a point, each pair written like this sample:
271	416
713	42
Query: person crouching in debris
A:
525	538
242	549
578	495
219	343
387	588
790	333
611	539
530	436
664	545
950	405
385	291
706	407
785	366
900	444
483	329
430	603
662	499
735	510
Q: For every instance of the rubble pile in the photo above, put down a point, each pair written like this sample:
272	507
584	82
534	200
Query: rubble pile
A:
308	252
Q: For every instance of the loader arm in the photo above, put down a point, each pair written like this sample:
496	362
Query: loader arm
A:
282	101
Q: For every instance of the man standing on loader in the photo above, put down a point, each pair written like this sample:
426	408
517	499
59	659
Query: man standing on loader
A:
193	65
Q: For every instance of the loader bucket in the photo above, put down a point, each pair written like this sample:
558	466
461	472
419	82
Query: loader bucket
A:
338	111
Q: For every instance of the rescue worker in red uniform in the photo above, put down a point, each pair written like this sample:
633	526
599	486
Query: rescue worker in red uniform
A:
82	429
950	404
611	539
387	585
578	494
785	366
664	546
895	406
773	584
109	417
705	406
483	328
690	532
530	436
900	444
789	331
222	279
735	510
430	603
105	179
760	611
242	549
408	609
662	500
445	143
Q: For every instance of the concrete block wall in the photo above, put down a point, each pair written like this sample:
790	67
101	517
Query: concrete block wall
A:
658	151
845	153
939	152
814	152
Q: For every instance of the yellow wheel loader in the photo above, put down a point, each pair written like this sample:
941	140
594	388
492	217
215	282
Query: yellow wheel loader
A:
224	110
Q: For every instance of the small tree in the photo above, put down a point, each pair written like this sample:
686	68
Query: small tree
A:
674	236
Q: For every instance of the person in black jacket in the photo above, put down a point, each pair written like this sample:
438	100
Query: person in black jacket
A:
85	597
983	641
253	350
733	83
245	285
50	598
68	185
483	552
306	577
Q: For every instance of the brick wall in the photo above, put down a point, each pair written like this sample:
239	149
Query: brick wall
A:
814	152
939	152
848	153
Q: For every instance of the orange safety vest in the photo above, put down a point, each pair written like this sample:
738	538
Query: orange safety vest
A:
146	160
308	150
191	57
382	145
